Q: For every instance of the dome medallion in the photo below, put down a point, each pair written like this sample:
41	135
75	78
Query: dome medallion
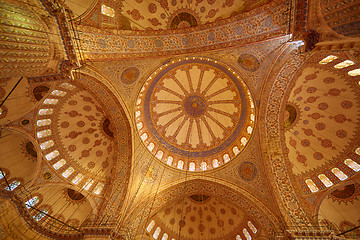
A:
195	114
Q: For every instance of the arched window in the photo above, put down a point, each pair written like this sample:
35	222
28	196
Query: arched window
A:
165	237
51	101
44	133
137	113
98	188
169	160
192	166
31	202
139	125
344	64
328	59
342	176
43	122
252	117
88	184
67	86
47	144
238	237
151	146
243	141
144	136
252	227
355	72
353	165
41	215
13	185
2	174
249	129
357	151
236	150
45	111
157	233
313	188
325	180
247	234
59	164
226	157
68	172
159	155
203	166
215	163
58	93
150	226
52	155
77	179
180	164
108	11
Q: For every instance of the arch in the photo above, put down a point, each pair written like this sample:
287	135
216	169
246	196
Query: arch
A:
239	196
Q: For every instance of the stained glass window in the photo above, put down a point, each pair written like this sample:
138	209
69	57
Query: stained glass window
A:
215	163
249	129
137	113
353	165
192	166
52	155
203	166
98	188
328	59
165	237
88	184
67	86
159	155
238	237
252	227
68	172
31	202
41	215
226	157
150	226
247	234
157	233
59	164
1	174
51	101
44	133
243	141
342	176
355	72
236	150
325	180
108	11
45	111
47	144
180	164
139	125
12	185
344	64
169	160
43	122
58	93
77	179
313	188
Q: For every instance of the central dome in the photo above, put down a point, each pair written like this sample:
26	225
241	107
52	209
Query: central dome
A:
195	113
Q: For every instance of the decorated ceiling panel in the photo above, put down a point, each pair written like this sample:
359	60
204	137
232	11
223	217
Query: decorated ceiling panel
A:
201	217
195	114
175	14
321	120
